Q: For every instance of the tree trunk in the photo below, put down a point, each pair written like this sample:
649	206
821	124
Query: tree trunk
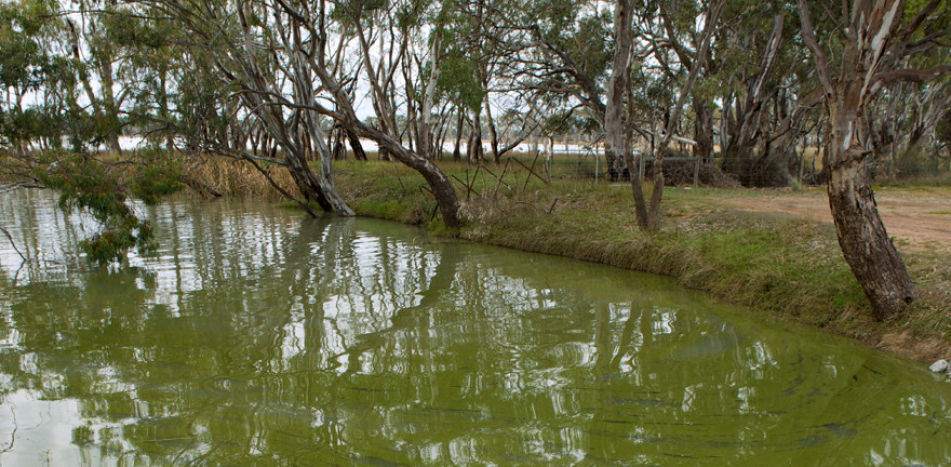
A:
338	149
445	194
456	156
110	108
640	205
164	113
672	116
475	150
871	255
865	244
493	133
617	89
358	152
426	147
726	122
703	130
938	102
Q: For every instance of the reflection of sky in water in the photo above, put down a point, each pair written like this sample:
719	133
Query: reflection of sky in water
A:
254	334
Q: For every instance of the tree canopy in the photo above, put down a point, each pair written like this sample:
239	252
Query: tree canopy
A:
744	86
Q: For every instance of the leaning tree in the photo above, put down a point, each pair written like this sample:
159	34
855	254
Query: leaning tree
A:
864	50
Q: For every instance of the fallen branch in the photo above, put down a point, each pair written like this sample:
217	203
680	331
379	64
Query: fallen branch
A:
530	171
469	189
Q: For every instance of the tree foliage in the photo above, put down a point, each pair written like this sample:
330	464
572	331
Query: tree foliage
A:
95	188
289	83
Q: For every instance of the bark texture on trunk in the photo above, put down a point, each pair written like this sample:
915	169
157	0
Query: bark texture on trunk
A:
493	133
456	156
640	205
358	152
865	69
445	194
862	236
865	244
703	130
620	82
476	152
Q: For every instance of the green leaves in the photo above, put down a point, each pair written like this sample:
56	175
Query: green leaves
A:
158	178
25	27
457	79
96	188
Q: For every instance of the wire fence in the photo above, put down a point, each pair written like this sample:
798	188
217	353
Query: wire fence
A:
590	163
779	169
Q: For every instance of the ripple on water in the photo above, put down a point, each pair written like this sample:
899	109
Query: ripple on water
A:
255	336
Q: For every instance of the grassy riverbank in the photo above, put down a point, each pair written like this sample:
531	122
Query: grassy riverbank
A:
787	267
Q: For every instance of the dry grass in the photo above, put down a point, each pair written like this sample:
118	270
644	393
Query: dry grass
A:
228	177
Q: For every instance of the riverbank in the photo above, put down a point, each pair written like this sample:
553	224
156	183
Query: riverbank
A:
731	243
786	266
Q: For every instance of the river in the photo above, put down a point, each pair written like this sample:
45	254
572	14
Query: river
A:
254	336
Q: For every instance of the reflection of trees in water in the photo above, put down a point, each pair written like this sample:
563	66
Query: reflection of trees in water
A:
257	340
41	232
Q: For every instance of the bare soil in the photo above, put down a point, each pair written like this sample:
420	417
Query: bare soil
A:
919	219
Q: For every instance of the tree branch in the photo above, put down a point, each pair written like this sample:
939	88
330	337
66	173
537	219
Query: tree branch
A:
912	75
822	61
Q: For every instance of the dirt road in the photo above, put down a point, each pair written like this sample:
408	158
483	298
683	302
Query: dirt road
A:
918	218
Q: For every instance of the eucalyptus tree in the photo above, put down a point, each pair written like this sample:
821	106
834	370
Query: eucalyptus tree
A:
154	78
615	145
263	57
35	77
458	83
439	184
673	34
870	48
303	46
903	122
101	60
428	144
905	119
467	27
412	37
382	47
927	108
761	76
617	136
566	51
559	57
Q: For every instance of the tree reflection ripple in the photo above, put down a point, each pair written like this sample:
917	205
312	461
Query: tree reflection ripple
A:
254	336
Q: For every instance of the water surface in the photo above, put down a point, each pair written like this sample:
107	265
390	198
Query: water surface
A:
257	337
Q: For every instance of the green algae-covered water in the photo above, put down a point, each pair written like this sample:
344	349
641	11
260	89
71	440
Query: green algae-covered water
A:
254	336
